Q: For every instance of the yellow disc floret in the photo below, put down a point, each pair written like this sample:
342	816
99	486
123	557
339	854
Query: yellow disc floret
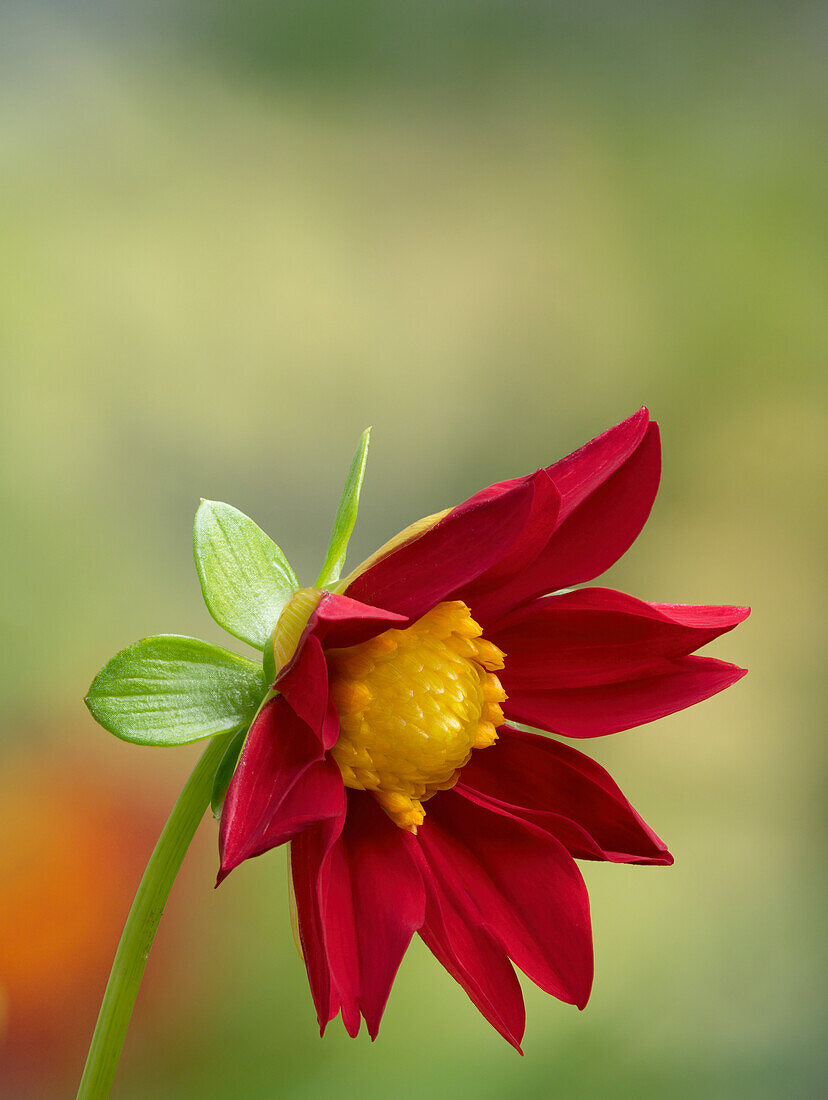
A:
413	704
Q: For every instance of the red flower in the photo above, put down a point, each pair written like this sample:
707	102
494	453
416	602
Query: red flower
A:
386	760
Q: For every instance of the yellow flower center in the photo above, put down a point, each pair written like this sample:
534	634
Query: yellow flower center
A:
413	704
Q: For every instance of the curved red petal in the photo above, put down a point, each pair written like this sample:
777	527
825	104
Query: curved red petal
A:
579	474
317	795
280	748
370	901
455	551
305	686
599	636
606	504
538	529
340	621
610	708
606	523
376	901
336	621
474	959
520	883
310	872
564	792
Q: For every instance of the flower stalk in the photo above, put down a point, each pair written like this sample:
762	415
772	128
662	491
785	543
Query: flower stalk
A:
142	923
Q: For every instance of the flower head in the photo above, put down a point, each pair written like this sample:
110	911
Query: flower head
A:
385	753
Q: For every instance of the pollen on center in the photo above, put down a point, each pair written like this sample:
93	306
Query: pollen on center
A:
413	704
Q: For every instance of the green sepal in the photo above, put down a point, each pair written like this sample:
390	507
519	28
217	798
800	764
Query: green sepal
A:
170	690
269	669
346	515
224	772
245	578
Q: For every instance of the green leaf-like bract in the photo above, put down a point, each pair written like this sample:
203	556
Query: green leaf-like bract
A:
224	772
245	577
346	515
169	690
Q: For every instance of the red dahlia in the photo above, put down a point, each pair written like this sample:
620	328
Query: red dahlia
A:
385	755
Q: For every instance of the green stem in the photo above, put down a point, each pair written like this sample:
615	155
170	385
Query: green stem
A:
142	922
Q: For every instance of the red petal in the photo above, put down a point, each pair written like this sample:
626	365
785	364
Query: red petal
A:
607	492
599	636
564	792
474	959
538	529
578	475
459	548
609	708
360	899
310	872
606	523
375	903
305	686
259	812
317	795
336	621
519	883
339	621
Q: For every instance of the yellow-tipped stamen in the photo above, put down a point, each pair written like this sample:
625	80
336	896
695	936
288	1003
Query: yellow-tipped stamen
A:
489	656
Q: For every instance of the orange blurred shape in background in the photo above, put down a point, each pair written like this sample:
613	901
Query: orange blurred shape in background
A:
75	847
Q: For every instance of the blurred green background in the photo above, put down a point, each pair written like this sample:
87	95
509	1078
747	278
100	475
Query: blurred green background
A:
234	234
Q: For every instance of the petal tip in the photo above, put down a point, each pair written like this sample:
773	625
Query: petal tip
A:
352	1026
641	420
514	1039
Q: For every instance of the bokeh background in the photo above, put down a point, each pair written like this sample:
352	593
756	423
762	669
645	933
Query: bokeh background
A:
234	234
